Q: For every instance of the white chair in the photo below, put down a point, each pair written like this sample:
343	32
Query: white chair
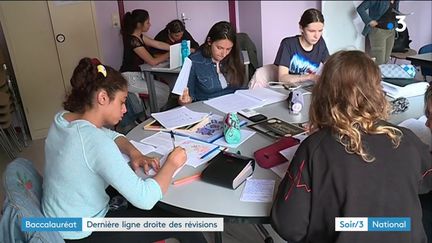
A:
263	75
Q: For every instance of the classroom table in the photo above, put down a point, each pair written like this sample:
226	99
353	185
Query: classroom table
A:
424	60
200	199
148	72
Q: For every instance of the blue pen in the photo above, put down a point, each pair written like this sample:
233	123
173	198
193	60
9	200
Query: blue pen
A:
209	152
172	138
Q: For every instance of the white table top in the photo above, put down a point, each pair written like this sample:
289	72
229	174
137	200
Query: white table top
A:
206	198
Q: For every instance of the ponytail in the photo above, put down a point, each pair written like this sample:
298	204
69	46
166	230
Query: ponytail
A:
87	79
131	20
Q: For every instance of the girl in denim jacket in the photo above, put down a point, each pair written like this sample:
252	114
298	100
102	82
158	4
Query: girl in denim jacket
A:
215	69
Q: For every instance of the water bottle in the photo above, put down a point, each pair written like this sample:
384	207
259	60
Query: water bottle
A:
184	50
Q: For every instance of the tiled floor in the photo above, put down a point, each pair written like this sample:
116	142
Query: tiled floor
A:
233	233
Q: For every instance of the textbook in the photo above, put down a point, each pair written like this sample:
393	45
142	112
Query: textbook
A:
228	170
403	87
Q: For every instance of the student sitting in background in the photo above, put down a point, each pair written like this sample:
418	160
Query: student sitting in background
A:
174	33
215	69
83	158
355	164
136	52
299	56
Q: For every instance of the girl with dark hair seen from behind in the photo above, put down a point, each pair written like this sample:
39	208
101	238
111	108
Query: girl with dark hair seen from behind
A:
82	158
215	69
174	33
300	56
354	164
136	52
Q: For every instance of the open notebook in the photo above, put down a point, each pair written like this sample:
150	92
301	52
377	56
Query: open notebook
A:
175	58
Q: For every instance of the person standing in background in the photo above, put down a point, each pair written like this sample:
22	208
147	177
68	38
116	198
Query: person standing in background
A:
380	24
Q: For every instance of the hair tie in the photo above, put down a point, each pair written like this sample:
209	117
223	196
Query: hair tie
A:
101	69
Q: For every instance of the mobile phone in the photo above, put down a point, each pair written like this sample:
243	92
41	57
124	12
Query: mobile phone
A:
248	113
257	118
252	115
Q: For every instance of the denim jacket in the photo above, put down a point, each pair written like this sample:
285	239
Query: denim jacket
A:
204	81
376	10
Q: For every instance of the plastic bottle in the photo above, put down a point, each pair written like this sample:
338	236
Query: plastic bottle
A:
184	50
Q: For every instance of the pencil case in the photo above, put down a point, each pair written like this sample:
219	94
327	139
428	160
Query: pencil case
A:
269	156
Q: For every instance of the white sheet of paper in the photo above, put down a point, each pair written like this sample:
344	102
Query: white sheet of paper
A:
281	169
178	117
237	102
258	190
162	142
266	95
143	148
288	153
152	172
183	77
194	149
245	135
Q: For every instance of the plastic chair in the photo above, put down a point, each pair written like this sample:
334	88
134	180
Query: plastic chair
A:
8	137
263	75
426	71
23	192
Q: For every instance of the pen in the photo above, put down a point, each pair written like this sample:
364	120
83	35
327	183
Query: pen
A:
172	139
187	179
209	152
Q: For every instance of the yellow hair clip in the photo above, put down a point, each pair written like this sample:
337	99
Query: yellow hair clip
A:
101	69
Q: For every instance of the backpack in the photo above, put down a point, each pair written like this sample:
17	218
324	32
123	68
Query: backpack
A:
402	41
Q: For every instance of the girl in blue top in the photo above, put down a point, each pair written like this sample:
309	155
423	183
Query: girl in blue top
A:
83	158
215	69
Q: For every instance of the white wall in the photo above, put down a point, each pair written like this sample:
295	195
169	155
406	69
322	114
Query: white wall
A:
279	19
250	23
343	26
109	37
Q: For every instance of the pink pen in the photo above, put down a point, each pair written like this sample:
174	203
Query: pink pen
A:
187	179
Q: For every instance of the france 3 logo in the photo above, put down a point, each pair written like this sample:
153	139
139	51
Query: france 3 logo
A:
401	24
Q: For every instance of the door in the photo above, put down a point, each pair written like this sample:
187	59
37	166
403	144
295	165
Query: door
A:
73	41
200	16
29	37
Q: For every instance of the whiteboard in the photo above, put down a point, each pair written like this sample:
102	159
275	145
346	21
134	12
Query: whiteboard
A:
342	26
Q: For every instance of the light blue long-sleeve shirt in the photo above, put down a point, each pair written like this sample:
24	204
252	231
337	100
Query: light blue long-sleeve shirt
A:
81	161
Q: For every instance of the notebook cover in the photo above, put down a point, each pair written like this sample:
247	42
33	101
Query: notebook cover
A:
401	82
224	168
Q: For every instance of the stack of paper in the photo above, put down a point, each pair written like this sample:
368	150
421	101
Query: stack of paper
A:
404	87
178	117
